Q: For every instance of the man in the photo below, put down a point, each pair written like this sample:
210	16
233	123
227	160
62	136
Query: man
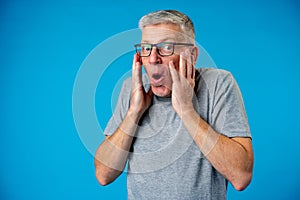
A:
183	131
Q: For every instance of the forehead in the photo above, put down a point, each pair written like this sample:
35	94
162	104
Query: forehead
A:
162	32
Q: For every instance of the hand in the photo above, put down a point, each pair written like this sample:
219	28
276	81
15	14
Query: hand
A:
183	83
140	100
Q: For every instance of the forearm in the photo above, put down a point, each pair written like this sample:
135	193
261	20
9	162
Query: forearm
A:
112	154
232	157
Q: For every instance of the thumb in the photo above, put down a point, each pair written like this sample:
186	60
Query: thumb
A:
150	93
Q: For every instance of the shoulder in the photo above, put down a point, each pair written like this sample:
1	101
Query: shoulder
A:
212	77
126	86
212	74
127	83
213	81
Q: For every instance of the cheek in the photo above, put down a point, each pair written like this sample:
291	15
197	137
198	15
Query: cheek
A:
143	60
147	70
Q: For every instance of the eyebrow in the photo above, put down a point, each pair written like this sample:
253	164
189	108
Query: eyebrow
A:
163	40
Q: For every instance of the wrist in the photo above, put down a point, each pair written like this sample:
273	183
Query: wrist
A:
129	124
134	116
187	112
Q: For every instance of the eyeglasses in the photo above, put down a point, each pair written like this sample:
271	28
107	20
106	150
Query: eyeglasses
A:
163	48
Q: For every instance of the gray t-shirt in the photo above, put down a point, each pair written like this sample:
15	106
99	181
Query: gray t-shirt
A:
164	162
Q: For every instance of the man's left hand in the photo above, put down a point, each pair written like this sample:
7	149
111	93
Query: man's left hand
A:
183	83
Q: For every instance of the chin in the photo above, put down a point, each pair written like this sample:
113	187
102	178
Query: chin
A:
161	91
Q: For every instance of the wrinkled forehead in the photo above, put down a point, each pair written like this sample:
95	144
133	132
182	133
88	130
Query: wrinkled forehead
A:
162	32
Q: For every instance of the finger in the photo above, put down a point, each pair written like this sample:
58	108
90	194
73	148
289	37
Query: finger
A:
194	68
135	59
136	72
182	65
134	63
189	67
174	74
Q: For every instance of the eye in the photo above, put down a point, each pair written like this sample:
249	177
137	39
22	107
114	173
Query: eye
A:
146	48
166	47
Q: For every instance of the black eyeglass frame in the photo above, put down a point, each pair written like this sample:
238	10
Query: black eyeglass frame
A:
157	49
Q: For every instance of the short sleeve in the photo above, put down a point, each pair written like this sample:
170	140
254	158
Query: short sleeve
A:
120	109
228	111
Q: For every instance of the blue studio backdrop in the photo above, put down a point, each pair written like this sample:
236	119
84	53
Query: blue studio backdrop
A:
62	64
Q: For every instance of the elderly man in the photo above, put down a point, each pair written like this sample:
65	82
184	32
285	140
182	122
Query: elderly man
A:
183	131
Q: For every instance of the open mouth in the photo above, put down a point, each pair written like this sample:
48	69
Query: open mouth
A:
157	79
156	76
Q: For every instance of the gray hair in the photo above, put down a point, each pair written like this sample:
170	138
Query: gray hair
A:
169	17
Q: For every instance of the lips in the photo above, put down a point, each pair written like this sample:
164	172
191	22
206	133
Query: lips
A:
156	79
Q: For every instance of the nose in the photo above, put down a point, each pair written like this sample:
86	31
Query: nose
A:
154	57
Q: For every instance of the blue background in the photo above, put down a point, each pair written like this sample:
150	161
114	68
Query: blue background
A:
43	44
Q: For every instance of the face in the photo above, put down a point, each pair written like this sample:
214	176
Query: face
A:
156	66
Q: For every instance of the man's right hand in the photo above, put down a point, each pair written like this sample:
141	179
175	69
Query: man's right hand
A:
140	99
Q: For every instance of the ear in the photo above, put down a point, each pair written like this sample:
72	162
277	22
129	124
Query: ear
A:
195	53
